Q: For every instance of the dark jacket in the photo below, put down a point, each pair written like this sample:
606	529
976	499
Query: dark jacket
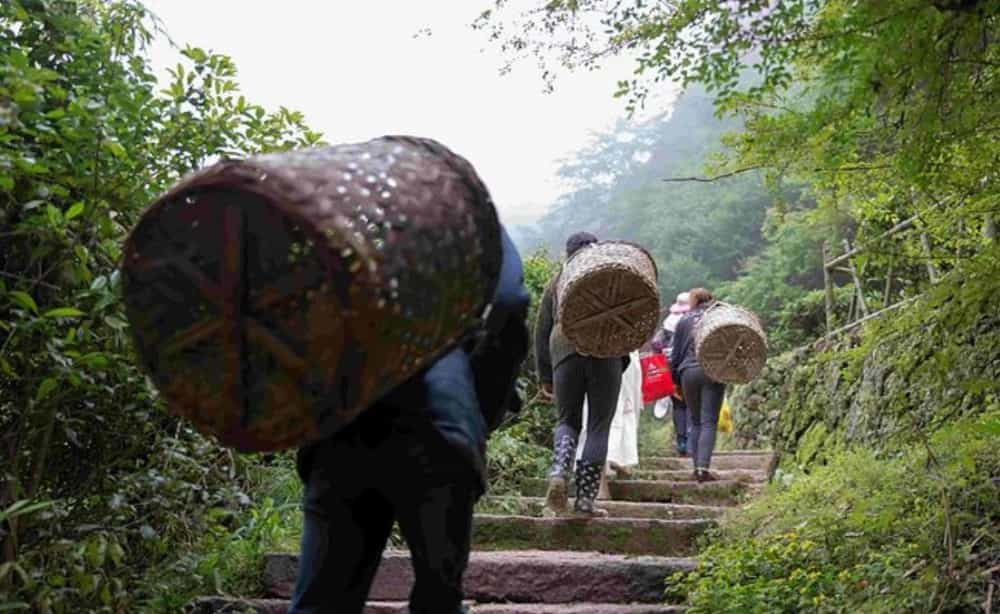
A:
551	345
497	353
682	350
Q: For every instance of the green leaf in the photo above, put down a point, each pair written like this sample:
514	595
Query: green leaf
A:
54	214
63	312
24	300
116	552
115	148
7	369
75	210
45	388
116	322
23	507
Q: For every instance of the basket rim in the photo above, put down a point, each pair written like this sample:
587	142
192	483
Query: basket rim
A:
656	270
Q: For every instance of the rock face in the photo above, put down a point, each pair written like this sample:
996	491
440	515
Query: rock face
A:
902	374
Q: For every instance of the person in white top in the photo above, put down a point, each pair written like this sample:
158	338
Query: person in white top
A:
623	440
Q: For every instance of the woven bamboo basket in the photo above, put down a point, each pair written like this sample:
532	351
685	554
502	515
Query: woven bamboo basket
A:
731	344
608	302
273	299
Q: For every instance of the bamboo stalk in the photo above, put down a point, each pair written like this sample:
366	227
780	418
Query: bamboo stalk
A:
857	282
905	224
931	270
828	285
888	282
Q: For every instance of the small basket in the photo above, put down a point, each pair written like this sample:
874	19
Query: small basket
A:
273	299
730	344
609	304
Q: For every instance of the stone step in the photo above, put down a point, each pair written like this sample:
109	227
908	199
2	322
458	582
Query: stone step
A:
532	506
723	492
400	607
742	452
757	462
213	605
537	576
687	475
611	535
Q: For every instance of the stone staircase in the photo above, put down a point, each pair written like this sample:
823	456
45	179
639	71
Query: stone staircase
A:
523	563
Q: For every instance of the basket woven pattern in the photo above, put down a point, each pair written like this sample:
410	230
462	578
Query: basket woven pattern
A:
609	304
731	344
273	299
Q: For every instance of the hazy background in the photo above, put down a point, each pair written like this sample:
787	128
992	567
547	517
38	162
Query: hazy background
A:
363	69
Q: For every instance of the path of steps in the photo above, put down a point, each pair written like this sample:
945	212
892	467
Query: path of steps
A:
523	563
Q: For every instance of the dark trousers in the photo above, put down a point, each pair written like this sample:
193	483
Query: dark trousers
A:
600	380
680	416
703	397
390	465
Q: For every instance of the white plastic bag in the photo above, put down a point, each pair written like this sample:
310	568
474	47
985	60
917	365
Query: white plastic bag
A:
663	407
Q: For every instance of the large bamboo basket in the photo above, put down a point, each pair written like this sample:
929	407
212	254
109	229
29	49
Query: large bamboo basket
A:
731	344
273	299
609	304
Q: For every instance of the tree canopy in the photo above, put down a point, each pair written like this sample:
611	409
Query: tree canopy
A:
874	112
87	140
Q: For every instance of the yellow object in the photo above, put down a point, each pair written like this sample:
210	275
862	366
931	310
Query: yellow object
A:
725	418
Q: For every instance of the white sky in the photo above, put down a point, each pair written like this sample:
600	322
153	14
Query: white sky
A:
357	71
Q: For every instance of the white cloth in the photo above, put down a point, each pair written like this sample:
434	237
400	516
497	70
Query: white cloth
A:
623	440
663	407
670	323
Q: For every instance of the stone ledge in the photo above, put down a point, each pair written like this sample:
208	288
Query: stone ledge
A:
214	605
520	576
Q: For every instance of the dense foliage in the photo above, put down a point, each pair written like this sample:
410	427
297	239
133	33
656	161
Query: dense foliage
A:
868	114
97	484
914	531
889	437
873	111
856	115
934	360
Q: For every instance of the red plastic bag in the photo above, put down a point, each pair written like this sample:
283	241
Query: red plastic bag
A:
656	380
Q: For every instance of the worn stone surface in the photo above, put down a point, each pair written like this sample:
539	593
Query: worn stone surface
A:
532	506
755	462
212	605
523	563
522	576
613	535
723	492
575	608
687	475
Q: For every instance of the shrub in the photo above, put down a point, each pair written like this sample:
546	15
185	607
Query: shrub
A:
913	531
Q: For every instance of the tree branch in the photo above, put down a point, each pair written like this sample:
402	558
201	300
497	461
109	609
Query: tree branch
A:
839	169
717	177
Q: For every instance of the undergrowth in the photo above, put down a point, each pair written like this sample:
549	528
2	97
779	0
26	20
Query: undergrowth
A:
227	558
914	531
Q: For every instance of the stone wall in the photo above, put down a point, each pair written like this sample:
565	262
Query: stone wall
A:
885	385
